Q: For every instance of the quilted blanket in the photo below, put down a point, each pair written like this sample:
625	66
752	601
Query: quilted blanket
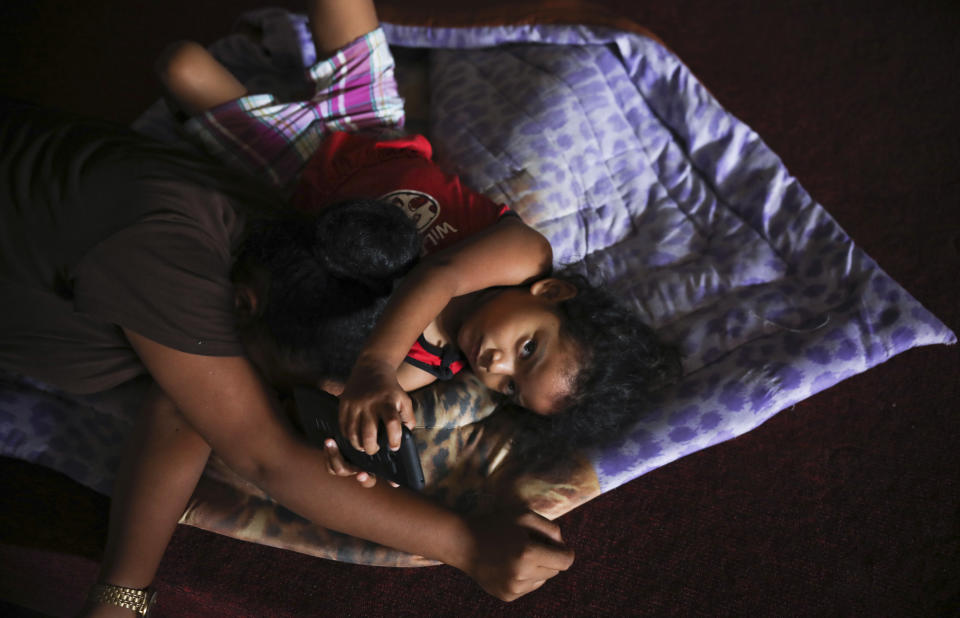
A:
604	141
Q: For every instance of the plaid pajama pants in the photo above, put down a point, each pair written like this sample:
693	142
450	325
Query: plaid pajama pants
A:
355	91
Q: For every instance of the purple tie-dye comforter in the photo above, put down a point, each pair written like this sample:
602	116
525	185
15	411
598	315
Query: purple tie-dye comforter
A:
606	143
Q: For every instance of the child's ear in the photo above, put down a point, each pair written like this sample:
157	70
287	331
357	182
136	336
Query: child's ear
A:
554	289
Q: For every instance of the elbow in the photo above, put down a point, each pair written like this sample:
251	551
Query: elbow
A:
535	244
546	254
540	247
251	470
259	461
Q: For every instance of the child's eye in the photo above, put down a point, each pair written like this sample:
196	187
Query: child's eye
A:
510	389
528	349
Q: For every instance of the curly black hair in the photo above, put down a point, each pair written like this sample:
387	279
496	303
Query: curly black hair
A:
622	363
329	278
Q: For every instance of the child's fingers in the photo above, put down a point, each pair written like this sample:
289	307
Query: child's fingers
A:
394	432
357	428
368	436
348	423
395	417
406	412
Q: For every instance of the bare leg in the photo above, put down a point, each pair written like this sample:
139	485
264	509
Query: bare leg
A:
195	79
334	23
162	464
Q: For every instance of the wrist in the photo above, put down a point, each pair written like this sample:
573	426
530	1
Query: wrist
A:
137	600
460	549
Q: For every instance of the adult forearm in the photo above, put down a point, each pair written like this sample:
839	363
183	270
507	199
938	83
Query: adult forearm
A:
394	517
162	464
507	554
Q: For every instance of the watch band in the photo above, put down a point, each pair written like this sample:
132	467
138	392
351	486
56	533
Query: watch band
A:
135	599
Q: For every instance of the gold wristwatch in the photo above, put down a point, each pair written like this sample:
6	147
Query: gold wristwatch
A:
136	599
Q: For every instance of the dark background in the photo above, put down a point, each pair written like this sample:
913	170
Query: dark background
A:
845	504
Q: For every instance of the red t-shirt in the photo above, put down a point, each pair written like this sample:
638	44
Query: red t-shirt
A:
400	171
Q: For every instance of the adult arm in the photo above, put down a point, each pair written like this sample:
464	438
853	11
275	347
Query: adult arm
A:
223	399
507	253
164	456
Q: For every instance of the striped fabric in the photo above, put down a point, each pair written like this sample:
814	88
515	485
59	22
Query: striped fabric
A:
355	90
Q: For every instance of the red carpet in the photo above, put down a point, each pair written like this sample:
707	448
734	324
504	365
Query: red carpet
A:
848	504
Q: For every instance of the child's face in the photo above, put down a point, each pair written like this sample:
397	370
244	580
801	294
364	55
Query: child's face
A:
514	344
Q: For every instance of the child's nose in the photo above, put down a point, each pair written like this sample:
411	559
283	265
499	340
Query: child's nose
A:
495	361
500	362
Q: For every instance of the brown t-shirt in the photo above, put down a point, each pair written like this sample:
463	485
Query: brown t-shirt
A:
101	229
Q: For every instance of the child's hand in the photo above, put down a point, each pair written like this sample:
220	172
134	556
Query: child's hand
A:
372	394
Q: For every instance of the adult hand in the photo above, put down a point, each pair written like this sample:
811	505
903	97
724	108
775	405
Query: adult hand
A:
513	556
372	394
